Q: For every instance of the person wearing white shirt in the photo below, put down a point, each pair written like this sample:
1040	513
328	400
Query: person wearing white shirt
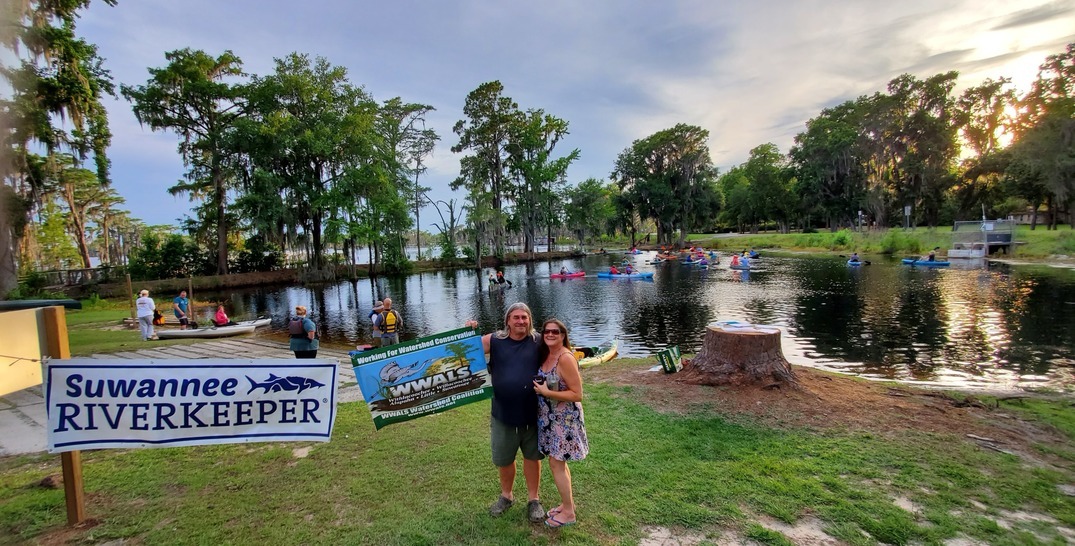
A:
145	307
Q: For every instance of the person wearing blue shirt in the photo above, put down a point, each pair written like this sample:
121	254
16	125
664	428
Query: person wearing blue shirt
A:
181	307
303	332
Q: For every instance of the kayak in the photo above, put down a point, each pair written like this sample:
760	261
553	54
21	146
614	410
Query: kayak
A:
256	323
854	264
606	353
645	275
739	267
925	263
360	349
568	276
216	331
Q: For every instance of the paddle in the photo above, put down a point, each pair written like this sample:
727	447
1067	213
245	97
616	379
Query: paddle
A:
863	262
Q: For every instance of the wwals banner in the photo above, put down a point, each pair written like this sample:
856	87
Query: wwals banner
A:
421	377
163	403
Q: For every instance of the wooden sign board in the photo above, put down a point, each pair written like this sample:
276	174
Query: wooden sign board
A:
24	335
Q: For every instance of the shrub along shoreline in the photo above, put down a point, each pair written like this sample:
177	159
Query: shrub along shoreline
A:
1039	244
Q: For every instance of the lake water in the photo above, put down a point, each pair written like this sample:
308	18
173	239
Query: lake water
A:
994	326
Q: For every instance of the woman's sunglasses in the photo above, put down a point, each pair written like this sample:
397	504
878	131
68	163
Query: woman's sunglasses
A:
553	331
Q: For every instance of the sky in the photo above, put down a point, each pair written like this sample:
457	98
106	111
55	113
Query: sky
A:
616	71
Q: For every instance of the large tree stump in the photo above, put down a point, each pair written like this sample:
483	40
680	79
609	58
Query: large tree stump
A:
738	356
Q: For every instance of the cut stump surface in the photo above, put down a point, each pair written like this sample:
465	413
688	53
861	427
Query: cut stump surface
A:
740	355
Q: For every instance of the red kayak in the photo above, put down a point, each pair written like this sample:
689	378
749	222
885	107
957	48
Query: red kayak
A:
568	276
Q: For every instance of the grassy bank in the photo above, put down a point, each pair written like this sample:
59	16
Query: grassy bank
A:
1036	244
704	473
98	328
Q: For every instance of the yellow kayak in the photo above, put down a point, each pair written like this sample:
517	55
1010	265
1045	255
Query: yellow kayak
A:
608	354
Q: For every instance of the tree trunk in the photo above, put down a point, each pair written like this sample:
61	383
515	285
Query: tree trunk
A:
739	357
9	277
222	225
417	208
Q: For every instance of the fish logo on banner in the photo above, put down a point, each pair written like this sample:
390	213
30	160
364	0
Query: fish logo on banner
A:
277	384
101	403
425	376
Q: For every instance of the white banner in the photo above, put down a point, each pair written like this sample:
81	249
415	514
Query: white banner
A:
94	404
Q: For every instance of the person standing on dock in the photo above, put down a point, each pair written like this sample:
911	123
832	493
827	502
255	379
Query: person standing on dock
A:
181	307
388	322
378	306
145	306
303	333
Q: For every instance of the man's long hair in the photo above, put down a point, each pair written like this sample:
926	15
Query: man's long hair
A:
502	334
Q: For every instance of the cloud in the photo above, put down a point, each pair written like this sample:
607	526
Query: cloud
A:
1033	16
749	73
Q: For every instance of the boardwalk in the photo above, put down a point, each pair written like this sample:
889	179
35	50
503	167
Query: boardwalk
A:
22	414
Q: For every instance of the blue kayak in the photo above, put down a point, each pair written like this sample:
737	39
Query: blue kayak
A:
925	263
607	275
854	264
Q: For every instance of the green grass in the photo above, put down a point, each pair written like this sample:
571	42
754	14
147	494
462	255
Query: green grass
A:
96	328
430	481
1038	243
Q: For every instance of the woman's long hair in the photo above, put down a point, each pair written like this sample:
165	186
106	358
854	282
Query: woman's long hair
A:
544	350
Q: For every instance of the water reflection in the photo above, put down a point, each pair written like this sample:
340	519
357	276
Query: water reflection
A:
996	326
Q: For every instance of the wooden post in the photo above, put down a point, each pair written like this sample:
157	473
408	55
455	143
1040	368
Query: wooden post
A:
130	296
58	347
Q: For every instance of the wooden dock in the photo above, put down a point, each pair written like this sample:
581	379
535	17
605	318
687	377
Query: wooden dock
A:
22	413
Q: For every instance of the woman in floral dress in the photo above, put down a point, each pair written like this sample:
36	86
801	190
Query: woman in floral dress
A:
561	427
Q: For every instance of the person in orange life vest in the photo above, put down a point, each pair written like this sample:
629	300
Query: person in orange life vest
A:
500	278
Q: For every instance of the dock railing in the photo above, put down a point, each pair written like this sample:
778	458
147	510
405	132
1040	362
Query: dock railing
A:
979	238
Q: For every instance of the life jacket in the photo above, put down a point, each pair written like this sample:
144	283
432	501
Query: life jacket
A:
390	321
295	327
